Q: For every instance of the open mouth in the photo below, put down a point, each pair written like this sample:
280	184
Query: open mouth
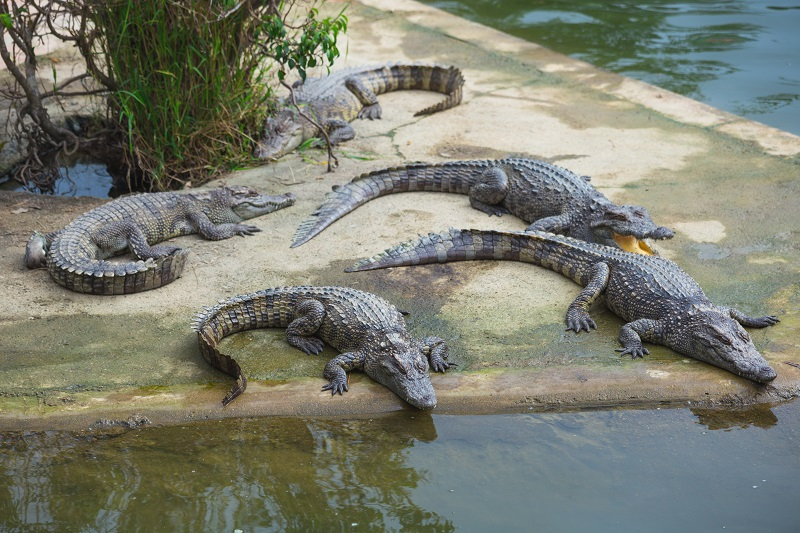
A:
631	244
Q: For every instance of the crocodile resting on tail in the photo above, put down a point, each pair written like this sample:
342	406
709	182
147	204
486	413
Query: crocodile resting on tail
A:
550	197
369	332
660	302
335	100
76	255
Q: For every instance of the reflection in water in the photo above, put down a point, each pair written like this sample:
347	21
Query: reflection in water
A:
613	470
760	416
736	55
279	474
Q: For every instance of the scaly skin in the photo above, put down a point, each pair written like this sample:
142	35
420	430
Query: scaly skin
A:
75	255
660	302
549	197
337	99
369	332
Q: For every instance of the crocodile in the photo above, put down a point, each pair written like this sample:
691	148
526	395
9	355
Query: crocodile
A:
369	332
547	196
76	255
659	302
333	101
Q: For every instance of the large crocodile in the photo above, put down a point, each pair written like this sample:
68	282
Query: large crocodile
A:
369	332
76	255
333	101
549	197
660	302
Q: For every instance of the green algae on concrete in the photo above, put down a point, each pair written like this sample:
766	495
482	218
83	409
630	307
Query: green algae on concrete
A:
729	196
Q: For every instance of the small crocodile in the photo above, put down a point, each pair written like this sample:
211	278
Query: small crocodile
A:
660	302
76	255
369	332
550	197
333	101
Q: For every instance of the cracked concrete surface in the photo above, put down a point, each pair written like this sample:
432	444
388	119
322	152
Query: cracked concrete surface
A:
724	184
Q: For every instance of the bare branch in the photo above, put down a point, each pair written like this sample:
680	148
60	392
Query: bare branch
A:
331	157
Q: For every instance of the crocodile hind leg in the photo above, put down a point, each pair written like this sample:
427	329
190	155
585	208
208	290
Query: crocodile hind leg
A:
490	190
117	236
309	315
753	322
337	368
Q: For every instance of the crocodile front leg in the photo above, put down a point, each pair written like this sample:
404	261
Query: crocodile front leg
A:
217	232
309	315
578	318
369	100
554	224
753	322
338	131
489	192
337	368
435	349
632	333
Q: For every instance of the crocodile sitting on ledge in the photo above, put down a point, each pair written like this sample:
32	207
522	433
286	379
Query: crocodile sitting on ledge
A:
335	100
369	332
660	302
550	197
75	255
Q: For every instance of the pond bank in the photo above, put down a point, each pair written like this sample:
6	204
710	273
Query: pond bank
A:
726	185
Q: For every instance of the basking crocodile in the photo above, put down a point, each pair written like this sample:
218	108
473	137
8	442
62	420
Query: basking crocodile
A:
335	100
369	331
552	198
76	255
659	301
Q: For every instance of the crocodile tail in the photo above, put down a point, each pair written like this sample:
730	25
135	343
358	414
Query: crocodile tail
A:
455	177
106	278
262	309
471	245
447	80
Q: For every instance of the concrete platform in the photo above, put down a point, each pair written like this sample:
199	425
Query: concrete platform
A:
729	187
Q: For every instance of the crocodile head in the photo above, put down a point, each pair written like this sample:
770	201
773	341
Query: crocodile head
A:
717	339
400	366
282	134
234	204
627	227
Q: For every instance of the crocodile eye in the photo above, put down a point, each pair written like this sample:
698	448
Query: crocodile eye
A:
621	217
744	336
400	365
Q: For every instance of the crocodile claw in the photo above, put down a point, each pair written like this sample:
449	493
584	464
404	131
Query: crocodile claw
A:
635	351
580	323
336	385
246	229
309	345
764	321
440	365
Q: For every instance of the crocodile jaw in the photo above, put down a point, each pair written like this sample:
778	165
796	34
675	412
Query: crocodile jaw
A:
721	341
405	373
261	204
631	244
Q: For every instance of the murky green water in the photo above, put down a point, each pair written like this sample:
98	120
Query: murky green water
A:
740	56
621	470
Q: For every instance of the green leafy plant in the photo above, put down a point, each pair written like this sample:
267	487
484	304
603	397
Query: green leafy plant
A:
189	82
